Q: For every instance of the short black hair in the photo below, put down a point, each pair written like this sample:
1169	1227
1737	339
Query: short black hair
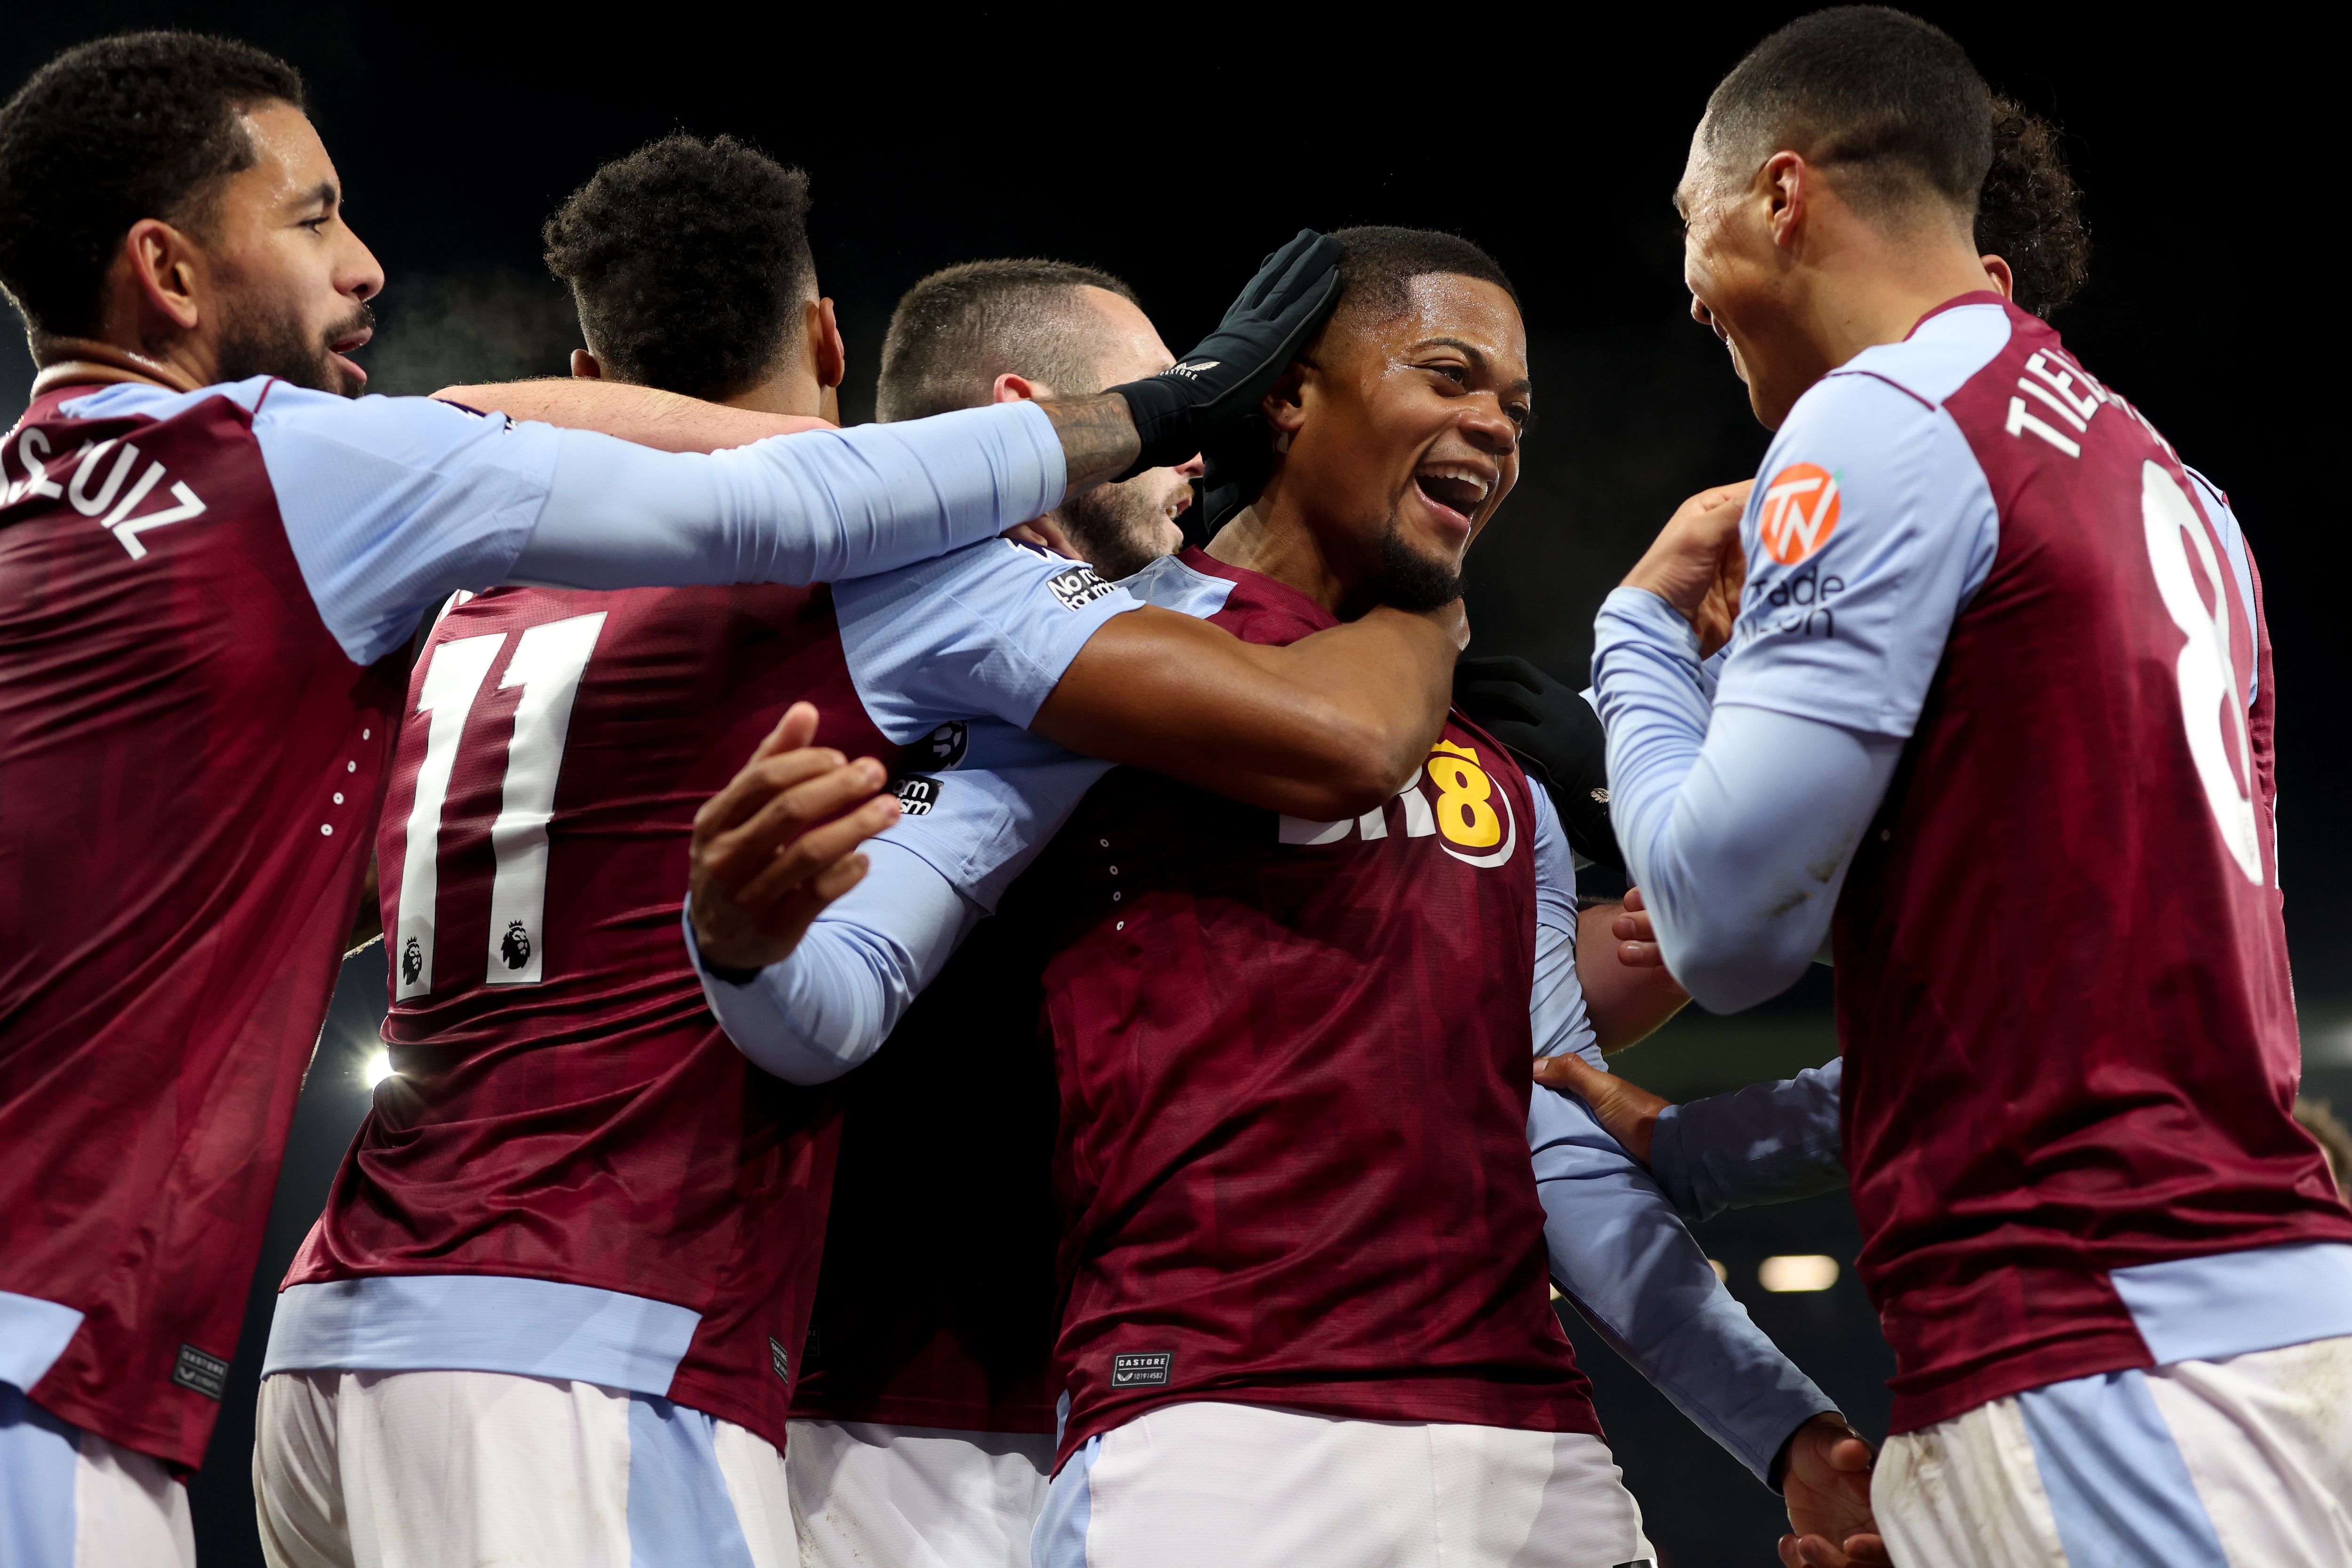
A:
1887	101
955	332
136	126
689	263
2031	212
1376	263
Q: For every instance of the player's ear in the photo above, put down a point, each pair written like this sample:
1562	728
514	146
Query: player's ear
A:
1786	183
1284	406
1012	388
584	366
2002	277
828	356
163	273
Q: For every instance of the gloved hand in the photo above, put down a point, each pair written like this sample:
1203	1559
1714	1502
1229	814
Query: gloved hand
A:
1219	383
1557	737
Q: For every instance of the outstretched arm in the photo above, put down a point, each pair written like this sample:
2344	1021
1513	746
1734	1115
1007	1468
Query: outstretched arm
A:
643	415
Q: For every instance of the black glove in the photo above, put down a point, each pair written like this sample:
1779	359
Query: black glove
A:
1219	383
1557	737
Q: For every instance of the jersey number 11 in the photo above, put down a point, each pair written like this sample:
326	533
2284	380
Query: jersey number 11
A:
548	663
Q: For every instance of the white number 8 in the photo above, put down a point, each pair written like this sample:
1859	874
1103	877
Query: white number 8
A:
2212	699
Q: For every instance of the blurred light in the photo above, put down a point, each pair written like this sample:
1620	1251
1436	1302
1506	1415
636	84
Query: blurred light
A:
379	1067
1555	1292
1722	1275
1798	1271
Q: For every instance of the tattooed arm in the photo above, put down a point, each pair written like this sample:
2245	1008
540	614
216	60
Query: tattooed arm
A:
1099	437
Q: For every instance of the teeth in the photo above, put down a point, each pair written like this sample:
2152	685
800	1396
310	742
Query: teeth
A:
1461	471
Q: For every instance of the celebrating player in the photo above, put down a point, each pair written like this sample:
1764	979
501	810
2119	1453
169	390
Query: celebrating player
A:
2107	1260
1304	1305
1779	1141
208	551
923	1418
556	1300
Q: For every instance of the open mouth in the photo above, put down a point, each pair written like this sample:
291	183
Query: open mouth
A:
1178	503
343	348
1455	491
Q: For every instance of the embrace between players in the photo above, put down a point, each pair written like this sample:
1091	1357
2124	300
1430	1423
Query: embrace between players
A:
1103	1135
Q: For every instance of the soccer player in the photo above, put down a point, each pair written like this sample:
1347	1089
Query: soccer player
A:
923	1418
208	549
1303	1311
2110	1265
1776	1142
554	1308
995	331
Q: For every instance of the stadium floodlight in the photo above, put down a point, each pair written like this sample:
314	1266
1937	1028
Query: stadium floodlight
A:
1798	1271
1721	1273
379	1067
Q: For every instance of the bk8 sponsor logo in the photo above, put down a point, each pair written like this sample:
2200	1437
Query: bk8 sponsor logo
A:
1469	816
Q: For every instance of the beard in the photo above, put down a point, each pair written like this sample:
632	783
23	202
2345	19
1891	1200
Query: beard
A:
1120	529
1411	580
257	344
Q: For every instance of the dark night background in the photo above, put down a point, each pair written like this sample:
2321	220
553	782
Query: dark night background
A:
1176	158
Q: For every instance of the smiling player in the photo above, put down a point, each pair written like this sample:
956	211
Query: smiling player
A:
210	554
553	1310
2107	1260
1304	1308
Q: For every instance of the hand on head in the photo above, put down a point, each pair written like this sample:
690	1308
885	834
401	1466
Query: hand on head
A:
778	844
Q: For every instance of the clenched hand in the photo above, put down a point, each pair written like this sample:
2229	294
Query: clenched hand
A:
1696	563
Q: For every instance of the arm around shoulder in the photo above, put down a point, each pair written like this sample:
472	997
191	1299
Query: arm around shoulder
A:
1325	728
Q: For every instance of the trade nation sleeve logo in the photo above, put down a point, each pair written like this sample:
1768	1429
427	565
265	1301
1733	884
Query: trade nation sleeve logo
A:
1800	512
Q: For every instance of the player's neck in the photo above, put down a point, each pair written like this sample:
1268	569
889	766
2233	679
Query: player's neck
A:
1267	539
1873	287
94	362
793	390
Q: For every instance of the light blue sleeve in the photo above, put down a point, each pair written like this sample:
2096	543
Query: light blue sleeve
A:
1614	1243
392	502
1557	1010
1738	815
1619	1252
1871	524
996	798
986	630
1738	825
1765	1143
832	1003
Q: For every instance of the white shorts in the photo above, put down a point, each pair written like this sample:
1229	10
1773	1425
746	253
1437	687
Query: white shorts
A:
914	1497
69	1498
426	1470
2245	1461
1241	1486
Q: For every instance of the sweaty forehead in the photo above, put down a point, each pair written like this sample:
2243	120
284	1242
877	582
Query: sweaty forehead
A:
1467	310
288	157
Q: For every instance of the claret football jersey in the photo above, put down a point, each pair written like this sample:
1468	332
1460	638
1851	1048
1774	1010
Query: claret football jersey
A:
2068	1030
572	1172
199	591
1294	1092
